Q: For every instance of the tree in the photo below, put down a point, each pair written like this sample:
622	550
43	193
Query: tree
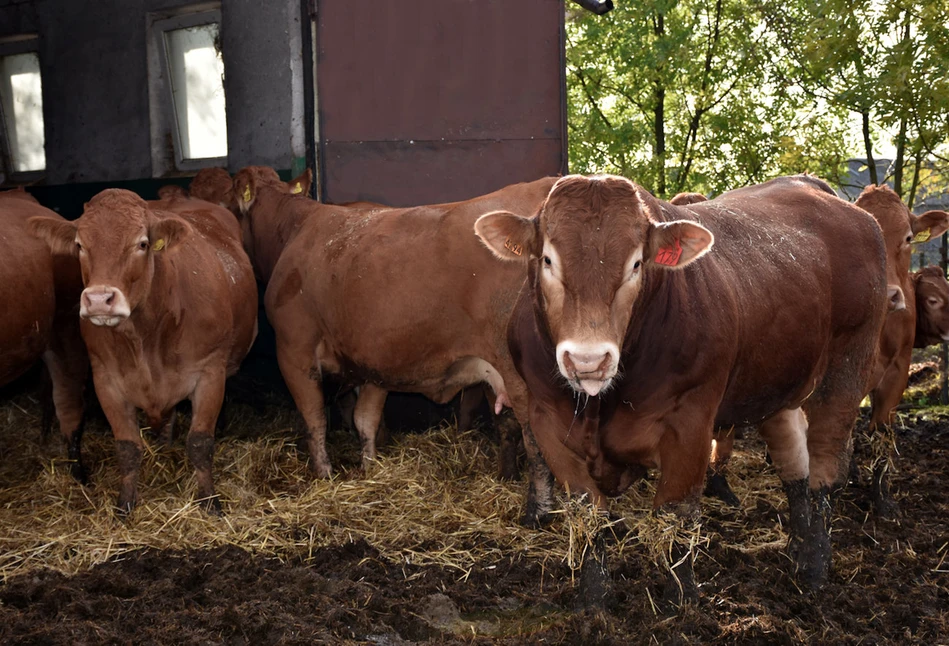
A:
691	95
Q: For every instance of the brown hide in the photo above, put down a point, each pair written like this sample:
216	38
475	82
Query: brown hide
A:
779	319
41	292
932	307
684	199
213	185
899	226
191	316
272	224
397	299
172	191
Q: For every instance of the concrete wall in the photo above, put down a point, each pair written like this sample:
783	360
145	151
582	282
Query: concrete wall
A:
93	56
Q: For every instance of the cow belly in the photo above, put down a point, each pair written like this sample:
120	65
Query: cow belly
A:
438	379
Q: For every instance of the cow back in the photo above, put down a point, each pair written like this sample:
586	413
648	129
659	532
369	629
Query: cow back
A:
401	293
27	286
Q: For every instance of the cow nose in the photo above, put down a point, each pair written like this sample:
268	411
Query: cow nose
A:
584	363
896	301
98	301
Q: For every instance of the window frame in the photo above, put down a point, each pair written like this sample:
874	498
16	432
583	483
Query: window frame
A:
26	43
158	27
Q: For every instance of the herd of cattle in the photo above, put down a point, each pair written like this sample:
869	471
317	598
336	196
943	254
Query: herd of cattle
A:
624	332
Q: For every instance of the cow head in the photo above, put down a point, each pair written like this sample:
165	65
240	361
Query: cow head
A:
116	240
247	185
214	185
684	199
932	306
587	251
900	230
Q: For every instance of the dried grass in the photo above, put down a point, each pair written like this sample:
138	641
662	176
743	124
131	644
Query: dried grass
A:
431	498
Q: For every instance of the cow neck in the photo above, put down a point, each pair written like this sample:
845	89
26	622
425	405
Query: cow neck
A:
275	219
537	304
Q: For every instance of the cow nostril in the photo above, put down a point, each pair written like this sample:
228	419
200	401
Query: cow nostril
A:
109	298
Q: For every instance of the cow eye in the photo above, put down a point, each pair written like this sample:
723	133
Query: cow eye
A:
78	247
547	260
933	301
143	245
909	239
637	265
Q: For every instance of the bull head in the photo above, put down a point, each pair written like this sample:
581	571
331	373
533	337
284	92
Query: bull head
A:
587	251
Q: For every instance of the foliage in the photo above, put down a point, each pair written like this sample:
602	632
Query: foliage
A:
707	95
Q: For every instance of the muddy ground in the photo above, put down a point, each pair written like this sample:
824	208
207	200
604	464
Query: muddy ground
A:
890	584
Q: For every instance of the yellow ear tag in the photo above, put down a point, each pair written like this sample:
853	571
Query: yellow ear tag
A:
513	247
159	245
922	236
296	188
246	195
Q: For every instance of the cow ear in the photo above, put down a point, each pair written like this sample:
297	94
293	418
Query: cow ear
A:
301	185
58	234
245	191
508	236
166	232
934	222
675	244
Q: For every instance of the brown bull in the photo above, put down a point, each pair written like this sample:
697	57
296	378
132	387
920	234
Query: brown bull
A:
169	310
891	370
932	307
637	338
40	292
388	299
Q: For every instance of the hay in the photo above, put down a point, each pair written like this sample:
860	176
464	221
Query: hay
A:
430	498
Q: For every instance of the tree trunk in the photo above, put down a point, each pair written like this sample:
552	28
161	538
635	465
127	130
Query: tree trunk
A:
659	123
868	146
900	157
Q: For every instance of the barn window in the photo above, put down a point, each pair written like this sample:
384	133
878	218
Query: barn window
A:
192	88
21	105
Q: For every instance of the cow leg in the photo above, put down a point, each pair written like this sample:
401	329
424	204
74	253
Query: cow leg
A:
786	435
367	416
128	443
883	399
468	402
505	424
206	404
166	433
303	380
716	484
684	460
540	488
68	377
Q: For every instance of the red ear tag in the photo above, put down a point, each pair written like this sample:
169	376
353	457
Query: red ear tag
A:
669	255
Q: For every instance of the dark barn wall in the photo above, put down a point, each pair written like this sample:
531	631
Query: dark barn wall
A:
95	83
438	100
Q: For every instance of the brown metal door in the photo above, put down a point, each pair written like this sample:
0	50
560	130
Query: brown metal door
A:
427	101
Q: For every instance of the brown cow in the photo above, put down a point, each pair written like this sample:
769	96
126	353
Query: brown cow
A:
389	299
169	311
41	294
212	185
932	307
891	371
636	343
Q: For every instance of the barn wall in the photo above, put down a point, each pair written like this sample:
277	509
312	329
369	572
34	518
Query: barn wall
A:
95	83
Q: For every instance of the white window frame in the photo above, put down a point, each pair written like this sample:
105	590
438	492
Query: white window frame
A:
163	111
11	46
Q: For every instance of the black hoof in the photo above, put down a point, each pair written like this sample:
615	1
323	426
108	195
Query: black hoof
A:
717	486
534	519
596	586
212	505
